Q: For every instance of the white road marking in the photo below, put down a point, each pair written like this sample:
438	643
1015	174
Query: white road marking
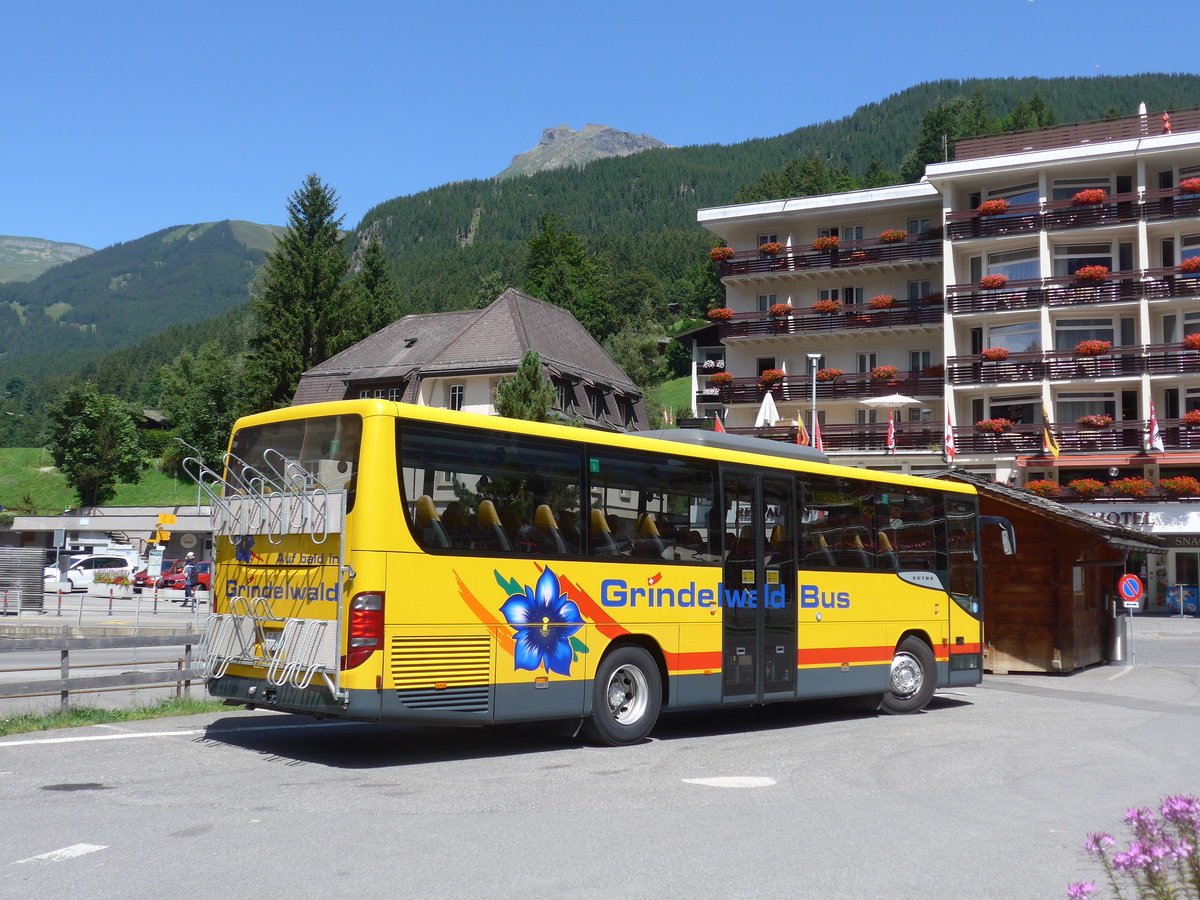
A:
65	853
188	733
1121	673
732	781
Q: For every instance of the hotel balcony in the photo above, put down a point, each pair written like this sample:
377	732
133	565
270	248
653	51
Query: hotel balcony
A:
850	386
858	254
1097	131
1122	443
1068	365
1121	287
1059	215
855	317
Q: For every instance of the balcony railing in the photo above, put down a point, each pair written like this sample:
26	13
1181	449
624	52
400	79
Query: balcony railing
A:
1121	287
851	386
1057	215
857	316
1067	365
1094	132
851	254
1126	438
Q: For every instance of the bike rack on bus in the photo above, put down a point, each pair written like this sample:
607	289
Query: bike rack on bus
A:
287	500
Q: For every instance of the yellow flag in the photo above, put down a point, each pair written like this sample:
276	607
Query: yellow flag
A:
1049	444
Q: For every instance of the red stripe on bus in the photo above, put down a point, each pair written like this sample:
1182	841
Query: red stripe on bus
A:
963	649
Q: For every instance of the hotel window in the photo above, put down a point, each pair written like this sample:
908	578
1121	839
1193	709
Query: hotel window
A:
1018	194
767	239
1020	337
1066	188
457	392
597	403
1072	406
919	289
845	233
867	361
920	415
766	301
1069	332
918	360
763	363
866	416
918	226
848	295
1016	264
1190	247
394	394
1070	258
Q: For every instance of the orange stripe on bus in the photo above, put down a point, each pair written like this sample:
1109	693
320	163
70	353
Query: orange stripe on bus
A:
833	656
962	649
501	631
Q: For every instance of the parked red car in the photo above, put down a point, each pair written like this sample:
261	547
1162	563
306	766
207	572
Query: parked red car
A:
174	578
143	580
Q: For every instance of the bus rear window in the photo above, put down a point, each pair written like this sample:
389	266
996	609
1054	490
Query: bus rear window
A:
299	454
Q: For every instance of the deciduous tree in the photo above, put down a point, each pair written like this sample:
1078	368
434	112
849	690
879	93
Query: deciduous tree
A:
94	443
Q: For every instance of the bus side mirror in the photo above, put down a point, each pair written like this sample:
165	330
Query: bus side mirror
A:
1008	537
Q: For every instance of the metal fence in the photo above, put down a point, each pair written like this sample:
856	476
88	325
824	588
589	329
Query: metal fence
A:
186	668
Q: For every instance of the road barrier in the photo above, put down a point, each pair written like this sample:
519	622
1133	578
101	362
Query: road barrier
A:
188	668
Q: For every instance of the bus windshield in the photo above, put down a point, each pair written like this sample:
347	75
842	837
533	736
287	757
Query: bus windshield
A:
297	454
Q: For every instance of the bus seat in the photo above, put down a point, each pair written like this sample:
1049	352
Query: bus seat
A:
489	524
886	553
857	553
552	539
649	544
568	529
618	527
454	523
432	533
602	539
823	552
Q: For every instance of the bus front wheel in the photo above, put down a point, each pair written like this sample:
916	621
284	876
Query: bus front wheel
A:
913	678
626	697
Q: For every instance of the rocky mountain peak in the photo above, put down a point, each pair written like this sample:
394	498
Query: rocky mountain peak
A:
563	146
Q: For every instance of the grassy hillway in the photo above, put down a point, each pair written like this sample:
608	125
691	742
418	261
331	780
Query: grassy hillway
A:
30	471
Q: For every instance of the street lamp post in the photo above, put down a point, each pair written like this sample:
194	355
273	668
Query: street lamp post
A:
813	360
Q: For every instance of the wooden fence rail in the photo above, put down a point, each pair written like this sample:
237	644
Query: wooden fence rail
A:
188	668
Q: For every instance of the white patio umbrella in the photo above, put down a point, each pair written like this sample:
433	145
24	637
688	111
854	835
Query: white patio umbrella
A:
768	413
891	401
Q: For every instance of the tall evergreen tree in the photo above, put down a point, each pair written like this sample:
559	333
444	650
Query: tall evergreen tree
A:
202	397
375	298
528	394
301	305
94	443
559	269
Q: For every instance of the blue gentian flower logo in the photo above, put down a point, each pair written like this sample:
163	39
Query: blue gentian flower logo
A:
544	622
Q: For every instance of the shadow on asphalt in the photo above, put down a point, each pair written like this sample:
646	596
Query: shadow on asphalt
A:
362	745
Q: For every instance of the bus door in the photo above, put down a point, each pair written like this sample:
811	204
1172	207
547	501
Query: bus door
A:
758	588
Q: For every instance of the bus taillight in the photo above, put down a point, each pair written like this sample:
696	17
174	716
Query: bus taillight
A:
366	629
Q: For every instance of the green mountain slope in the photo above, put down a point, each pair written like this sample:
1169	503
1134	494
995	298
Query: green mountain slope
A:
25	258
641	210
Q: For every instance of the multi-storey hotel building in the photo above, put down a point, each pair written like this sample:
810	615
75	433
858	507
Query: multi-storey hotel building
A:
1031	303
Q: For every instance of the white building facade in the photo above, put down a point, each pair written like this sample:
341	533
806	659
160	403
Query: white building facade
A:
1030	303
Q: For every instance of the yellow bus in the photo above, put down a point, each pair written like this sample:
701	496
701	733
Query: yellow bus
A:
380	561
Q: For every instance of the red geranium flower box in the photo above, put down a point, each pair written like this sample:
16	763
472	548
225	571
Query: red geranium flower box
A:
993	282
1092	274
1189	186
1090	197
994	207
1044	487
1093	348
882	301
1190	266
826	243
720	314
720	254
829	374
720	379
771	248
892	236
1191	341
995	354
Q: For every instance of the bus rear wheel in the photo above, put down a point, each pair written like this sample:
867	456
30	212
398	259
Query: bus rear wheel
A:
626	697
913	678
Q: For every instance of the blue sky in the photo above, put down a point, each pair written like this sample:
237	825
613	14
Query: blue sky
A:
126	117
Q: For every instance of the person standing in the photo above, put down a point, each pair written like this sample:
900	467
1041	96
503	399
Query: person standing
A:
189	580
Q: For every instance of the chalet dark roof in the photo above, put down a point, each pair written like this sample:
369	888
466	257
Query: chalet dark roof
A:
1116	535
488	340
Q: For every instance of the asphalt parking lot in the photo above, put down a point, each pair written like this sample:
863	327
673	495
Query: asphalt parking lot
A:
989	793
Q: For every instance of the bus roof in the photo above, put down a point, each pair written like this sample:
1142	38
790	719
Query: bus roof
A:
708	443
724	441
